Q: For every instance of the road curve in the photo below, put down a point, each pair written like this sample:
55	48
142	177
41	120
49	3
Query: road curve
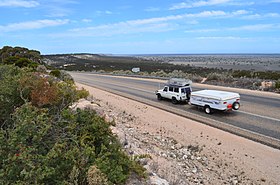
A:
258	118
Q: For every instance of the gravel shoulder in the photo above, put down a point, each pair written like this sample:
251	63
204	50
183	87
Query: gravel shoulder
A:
183	151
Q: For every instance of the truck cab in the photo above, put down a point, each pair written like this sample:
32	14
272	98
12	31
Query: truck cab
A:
177	90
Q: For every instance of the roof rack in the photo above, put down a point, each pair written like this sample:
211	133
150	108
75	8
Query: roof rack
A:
179	82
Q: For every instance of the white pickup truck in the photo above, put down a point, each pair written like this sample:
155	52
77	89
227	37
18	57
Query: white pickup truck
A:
213	99
176	89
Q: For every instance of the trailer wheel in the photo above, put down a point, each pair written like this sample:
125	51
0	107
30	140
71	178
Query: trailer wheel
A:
207	109
174	100
159	97
236	105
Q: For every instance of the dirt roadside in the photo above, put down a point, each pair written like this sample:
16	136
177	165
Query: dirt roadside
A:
184	151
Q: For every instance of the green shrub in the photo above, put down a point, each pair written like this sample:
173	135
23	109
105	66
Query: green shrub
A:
96	177
277	84
43	148
66	77
10	96
222	77
56	73
82	93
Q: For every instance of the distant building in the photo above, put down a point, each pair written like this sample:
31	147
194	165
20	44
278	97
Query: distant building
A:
136	69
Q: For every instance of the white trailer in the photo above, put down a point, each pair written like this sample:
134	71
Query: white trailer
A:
215	100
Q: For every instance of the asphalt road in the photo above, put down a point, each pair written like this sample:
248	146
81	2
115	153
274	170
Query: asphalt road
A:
258	114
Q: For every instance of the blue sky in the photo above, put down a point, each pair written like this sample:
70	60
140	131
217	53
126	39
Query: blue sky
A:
141	27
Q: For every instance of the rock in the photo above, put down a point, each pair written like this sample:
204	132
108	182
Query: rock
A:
178	146
234	182
194	170
156	180
195	180
108	118
158	138
163	155
143	161
172	155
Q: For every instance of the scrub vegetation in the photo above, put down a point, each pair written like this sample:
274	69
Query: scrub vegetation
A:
42	140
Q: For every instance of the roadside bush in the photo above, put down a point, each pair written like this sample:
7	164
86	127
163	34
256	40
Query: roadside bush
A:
42	149
160	73
223	77
277	84
66	77
41	69
96	177
82	93
38	90
56	73
195	78
62	75
9	92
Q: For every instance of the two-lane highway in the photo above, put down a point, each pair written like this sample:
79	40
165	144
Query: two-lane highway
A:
259	114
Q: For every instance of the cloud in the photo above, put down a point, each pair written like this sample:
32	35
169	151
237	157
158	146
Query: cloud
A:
152	25
86	20
178	17
106	12
198	4
202	30
221	38
152	9
201	3
64	1
256	27
19	3
261	16
32	25
118	29
58	8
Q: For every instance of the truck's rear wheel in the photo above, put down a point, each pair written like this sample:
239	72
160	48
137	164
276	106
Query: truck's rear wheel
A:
174	100
236	105
159	97
207	109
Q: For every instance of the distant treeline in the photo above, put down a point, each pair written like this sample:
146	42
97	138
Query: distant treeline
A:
20	56
271	75
117	63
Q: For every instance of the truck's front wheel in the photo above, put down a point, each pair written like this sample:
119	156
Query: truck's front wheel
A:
159	97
